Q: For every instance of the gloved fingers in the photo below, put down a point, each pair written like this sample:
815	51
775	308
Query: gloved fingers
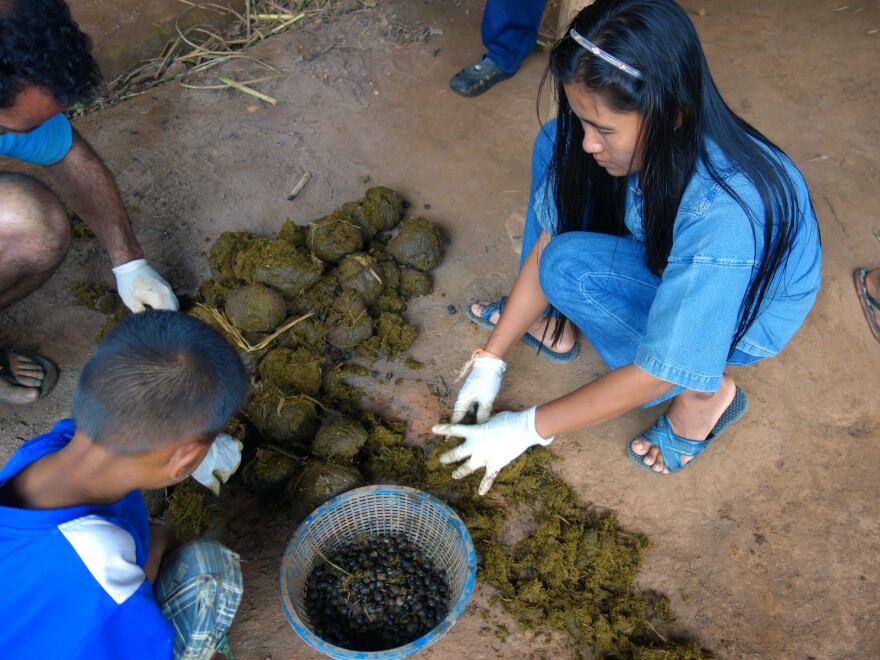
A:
134	304
486	483
158	299
166	300
460	409
484	411
457	454
464	470
451	430
152	298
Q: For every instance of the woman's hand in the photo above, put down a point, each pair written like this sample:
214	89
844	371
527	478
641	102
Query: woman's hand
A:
491	445
480	388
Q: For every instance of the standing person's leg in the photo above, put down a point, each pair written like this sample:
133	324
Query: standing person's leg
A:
199	589
34	238
510	30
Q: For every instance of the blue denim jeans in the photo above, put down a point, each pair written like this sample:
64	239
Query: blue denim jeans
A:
198	590
602	285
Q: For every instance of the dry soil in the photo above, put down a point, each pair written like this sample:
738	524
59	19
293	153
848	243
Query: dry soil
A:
768	547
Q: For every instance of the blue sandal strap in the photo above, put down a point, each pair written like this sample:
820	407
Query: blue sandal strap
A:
489	309
672	447
492	307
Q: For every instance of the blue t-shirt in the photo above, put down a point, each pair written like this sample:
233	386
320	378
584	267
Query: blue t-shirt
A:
47	144
72	579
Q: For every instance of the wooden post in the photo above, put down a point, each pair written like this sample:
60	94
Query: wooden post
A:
567	10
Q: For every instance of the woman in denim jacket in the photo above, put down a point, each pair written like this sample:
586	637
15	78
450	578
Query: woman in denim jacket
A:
675	236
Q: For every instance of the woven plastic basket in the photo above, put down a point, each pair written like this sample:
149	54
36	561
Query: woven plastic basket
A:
378	510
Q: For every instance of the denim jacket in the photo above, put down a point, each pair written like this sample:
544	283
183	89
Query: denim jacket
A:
715	252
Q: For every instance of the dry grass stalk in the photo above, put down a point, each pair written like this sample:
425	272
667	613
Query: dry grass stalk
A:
248	90
239	340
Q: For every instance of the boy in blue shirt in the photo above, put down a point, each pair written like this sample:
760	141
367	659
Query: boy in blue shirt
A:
47	67
83	571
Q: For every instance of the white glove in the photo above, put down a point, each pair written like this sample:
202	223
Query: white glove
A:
480	388
221	461
138	285
491	445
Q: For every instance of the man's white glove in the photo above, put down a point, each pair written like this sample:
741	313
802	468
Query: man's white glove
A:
491	445
480	388
221	461
139	285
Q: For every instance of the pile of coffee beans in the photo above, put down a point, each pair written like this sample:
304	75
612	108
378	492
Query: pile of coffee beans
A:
377	593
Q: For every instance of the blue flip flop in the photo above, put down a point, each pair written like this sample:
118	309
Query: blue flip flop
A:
673	447
870	305
498	306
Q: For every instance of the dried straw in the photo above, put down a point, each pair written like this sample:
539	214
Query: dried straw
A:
197	49
236	336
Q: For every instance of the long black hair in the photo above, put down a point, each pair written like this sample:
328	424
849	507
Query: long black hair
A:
680	109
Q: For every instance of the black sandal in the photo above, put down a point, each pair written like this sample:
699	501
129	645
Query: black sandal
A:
477	78
50	373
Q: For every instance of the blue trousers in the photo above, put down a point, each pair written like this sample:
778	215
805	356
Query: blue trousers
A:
510	30
602	285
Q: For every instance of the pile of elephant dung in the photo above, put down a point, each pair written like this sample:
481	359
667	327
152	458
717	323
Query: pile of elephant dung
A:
351	270
303	308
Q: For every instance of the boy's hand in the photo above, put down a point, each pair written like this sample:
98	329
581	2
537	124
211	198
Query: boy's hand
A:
220	463
162	541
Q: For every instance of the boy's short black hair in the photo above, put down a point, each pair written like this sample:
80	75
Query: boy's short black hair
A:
158	377
40	44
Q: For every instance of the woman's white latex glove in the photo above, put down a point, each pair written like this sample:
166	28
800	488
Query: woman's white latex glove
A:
221	461
480	388
139	285
491	445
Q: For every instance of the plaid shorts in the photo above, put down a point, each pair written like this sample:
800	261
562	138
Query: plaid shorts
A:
198	590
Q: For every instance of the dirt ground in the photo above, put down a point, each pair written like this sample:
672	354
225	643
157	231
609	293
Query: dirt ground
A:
768	547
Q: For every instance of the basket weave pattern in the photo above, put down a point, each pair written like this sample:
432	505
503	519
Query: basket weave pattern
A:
372	511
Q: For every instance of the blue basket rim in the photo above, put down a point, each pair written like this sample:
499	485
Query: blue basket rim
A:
401	651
